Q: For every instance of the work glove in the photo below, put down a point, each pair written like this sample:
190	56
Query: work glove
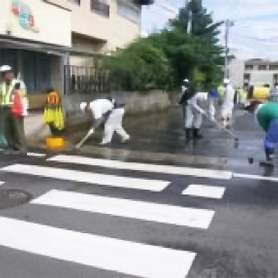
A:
204	113
91	131
211	117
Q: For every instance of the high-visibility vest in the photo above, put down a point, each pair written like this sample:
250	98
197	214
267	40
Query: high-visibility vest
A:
6	92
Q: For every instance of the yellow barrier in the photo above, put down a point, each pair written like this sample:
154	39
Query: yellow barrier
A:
258	93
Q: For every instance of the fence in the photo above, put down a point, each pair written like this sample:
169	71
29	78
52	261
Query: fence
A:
86	80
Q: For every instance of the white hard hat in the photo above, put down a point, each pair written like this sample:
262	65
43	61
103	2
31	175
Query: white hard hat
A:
83	105
5	68
185	80
226	81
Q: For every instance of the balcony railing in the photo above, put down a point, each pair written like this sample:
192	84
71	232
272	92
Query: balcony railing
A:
100	8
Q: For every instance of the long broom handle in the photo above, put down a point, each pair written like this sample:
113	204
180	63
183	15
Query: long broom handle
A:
225	129
83	140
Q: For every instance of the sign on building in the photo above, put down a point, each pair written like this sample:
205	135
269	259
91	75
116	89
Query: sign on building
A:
25	15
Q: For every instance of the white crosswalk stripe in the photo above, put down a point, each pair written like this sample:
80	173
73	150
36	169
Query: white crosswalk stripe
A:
36	154
172	170
205	191
197	218
85	177
108	252
112	254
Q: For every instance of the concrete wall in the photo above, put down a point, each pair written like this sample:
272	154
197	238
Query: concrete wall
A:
46	16
135	103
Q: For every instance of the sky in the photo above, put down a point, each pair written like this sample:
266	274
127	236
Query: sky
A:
255	30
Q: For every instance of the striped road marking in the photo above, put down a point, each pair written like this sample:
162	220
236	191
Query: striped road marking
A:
255	177
102	252
167	214
36	154
91	178
205	191
165	169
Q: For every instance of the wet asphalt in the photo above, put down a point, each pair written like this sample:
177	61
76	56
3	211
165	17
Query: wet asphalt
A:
241	241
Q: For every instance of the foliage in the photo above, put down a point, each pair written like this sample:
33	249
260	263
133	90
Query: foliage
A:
140	67
164	59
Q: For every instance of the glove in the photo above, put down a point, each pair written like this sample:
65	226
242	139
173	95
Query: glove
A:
213	119
204	113
91	131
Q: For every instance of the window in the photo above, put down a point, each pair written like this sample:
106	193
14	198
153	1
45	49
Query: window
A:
100	7
248	67
273	67
262	67
246	79
129	11
37	71
77	2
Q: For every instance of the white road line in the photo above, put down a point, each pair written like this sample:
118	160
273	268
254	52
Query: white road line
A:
205	191
36	154
86	177
96	251
165	169
167	214
2	182
254	177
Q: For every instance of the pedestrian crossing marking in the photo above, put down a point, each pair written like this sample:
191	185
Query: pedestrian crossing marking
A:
96	251
87	177
167	214
255	177
206	191
161	169
36	154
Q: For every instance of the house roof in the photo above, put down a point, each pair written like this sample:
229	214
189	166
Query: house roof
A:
261	62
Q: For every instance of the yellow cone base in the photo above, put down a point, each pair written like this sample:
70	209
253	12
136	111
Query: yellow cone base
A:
55	143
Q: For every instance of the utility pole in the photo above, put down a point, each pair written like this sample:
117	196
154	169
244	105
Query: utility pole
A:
189	23
228	24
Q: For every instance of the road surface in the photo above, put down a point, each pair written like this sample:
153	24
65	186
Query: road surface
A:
148	212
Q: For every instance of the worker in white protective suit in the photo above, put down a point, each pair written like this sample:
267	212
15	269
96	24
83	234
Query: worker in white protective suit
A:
110	112
194	114
228	104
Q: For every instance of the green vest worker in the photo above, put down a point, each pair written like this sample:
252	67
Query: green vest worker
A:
12	126
267	117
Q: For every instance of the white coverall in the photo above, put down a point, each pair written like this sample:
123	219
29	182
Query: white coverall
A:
194	113
102	107
228	103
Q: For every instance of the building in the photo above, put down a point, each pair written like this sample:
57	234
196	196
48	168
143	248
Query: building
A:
33	45
260	72
253	72
41	38
103	26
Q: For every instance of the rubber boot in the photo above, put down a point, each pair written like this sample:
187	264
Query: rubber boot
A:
229	123
187	134
222	123
197	134
269	162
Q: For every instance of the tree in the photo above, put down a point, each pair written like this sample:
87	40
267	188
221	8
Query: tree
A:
206	43
164	59
140	67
